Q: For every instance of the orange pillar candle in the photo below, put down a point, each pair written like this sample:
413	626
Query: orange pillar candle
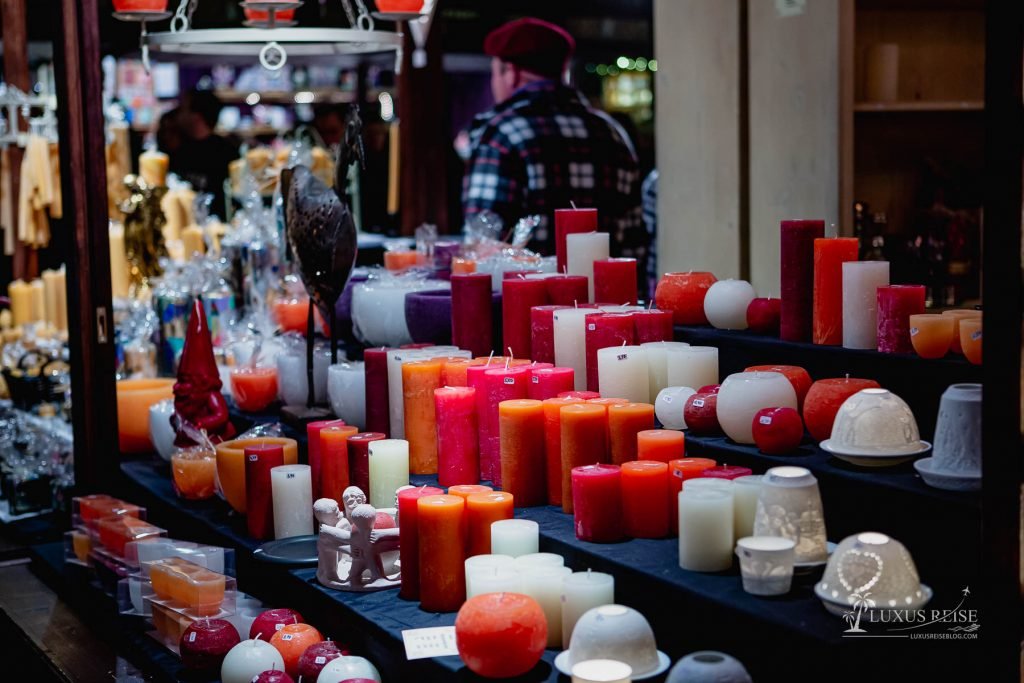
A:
464	491
645	504
584	442
419	380
453	371
442	534
679	471
482	510
334	474
523	465
625	421
553	445
829	256
664	445
409	537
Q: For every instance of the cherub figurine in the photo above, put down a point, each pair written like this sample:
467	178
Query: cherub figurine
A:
353	554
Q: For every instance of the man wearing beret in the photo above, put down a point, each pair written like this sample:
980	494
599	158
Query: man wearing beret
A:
543	146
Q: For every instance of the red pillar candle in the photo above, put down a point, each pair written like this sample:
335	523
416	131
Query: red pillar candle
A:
377	407
409	538
334	475
824	399
797	376
584	442
597	503
615	280
797	273
567	222
604	330
679	471
523	466
652	325
542	333
259	514
499	385
829	256
458	458
359	458
518	296
441	521
553	445
725	472
547	383
483	510
475	380
568	290
683	294
313	451
625	421
896	303
645	504
471	312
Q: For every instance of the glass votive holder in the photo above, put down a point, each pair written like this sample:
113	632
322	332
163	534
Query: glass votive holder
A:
766	564
970	339
959	315
931	334
602	671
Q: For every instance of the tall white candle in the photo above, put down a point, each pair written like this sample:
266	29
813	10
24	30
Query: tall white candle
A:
744	393
495	580
725	304
583	591
582	250
544	584
514	537
694	366
484	563
622	372
861	280
571	343
657	364
292	492
745	491
705	529
346	387
396	398
389	470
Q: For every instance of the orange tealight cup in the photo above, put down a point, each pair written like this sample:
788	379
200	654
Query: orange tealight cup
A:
970	339
231	465
292	314
931	334
463	265
254	388
134	398
959	315
195	473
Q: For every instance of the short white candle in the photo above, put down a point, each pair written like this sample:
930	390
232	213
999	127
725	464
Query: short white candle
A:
248	660
389	470
291	376
544	584
622	308
483	563
657	364
292	491
571	343
726	302
861	280
583	591
396	398
709	483
582	249
495	580
346	387
622	372
745	492
668	406
694	366
705	529
601	671
743	394
514	537
533	560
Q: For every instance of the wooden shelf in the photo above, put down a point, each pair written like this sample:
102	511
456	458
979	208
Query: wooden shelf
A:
919	106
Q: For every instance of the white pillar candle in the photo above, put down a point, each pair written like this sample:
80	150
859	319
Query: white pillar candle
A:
705	529
582	250
583	591
657	364
601	671
389	470
544	584
622	308
495	580
291	376
346	387
483	563
669	404
571	343
396	397
743	394
514	537
694	366
861	280
708	483
745	492
533	560
292	491
622	373
725	304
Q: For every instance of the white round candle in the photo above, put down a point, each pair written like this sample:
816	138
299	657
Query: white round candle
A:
291	376
745	492
622	373
571	343
514	537
249	659
389	470
582	249
668	406
744	393
292	492
544	584
694	366
705	529
495	580
602	671
584	591
861	280
346	668
657	364
346	387
483	563
726	302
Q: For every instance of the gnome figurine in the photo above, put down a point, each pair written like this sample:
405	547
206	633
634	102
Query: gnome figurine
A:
197	397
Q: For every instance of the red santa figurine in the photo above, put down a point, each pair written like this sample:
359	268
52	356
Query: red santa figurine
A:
197	397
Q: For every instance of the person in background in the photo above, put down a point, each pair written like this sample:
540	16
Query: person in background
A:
203	156
649	194
543	147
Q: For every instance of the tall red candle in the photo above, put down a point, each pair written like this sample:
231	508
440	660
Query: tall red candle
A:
604	330
499	385
334	478
797	273
829	256
313	451
645	498
615	280
458	459
896	303
597	503
518	296
542	333
523	465
377	406
359	458
475	380
547	383
652	325
569	221
409	538
259	502
471	312
568	290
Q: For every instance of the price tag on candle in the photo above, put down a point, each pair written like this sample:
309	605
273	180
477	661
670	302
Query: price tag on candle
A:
914	331
698	403
289	475
765	420
622	356
287	636
509	380
591	326
667	399
975	336
320	660
253	458
422	643
535	379
192	637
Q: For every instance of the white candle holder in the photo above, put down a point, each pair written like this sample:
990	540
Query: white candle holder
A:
789	506
291	375
614	632
766	564
346	387
743	394
875	427
955	463
160	430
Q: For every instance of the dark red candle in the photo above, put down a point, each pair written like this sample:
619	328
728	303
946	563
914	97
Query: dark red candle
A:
377	407
518	296
763	316
503	384
548	383
615	280
409	538
652	325
313	451
797	274
568	221
597	503
896	303
471	312
568	290
359	458
259	502
604	330
542	333
645	502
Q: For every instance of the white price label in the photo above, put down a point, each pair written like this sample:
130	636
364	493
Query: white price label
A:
278	627
698	403
591	326
765	420
667	399
678	474
622	356
509	380
535	379
975	336
914	331
253	458
320	660
287	636
422	643
192	637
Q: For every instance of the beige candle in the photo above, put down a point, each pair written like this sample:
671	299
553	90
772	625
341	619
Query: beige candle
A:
118	262
153	167
192	239
38	301
21	302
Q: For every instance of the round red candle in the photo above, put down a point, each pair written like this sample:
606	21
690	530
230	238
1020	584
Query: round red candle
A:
597	502
518	296
582	395
896	303
797	277
458	458
725	472
359	458
542	333
615	280
663	445
829	256
254	388
483	510
334	477
645	498
291	641
471	312
824	400
501	635
377	400
523	465
409	538
604	330
259	515
553	447
763	316
498	385
679	471
797	376
547	383
568	290
571	221
652	325
625	422
441	521
701	413
683	294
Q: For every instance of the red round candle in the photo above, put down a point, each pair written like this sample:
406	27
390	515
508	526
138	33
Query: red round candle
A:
604	330
652	325
259	502
683	294
568	290
409	538
542	333
829	256
377	400
615	280
725	472
597	503
471	312
458	459
518	296
501	635
896	303
313	450
797	376
582	395
797	276
359	458
570	221
547	383
763	316
824	400
498	385
645	498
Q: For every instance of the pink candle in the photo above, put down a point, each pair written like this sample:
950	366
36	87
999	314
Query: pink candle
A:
615	280
499	385
471	312
604	330
377	402
458	460
569	221
568	290
896	303
652	325
313	449
797	273
597	503
475	380
548	383
582	395
518	296
409	538
726	472
542	333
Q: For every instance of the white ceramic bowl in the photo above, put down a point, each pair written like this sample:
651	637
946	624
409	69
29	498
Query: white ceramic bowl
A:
160	430
873	569
875	422
616	632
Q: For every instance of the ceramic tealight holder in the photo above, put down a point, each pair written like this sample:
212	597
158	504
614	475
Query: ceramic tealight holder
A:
875	427
708	666
955	463
160	430
614	632
766	564
789	505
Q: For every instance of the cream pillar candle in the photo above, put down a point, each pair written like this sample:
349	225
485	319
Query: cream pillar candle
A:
571	343
534	560
49	278
694	366
119	270
292	491
346	387
622	373
657	365
745	492
583	591
396	397
60	284
861	280
20	295
484	563
514	537
582	250
544	584
389	469
705	529
153	167
726	302
744	393
37	298
496	580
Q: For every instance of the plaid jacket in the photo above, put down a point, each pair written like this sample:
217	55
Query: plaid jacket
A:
545	147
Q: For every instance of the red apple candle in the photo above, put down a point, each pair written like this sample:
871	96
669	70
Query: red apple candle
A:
471	312
259	503
824	399
597	502
763	315
683	294
896	303
409	538
777	431
701	413
458	459
316	657
271	621
501	635
645	504
797	276
567	222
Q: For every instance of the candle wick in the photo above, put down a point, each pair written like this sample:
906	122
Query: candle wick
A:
490	357
575	303
623	342
573	205
588	573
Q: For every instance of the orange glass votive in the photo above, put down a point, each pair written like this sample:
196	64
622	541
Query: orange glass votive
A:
195	473
664	445
98	506
959	315
231	465
482	510
81	543
134	398
931	334
292	314
254	388
400	259
970	339
625	421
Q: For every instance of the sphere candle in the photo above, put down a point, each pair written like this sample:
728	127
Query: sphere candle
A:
570	222
683	294
797	376
896	303
763	316
743	394
471	312
523	465
482	510
359	458
519	295
622	372
615	280
501	635
542	333
597	503
861	280
259	460
570	343
584	441
376	365
645	501
458	459
726	303
829	256
420	378
389	469
797	273
442	536
602	331
409	538
625	422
